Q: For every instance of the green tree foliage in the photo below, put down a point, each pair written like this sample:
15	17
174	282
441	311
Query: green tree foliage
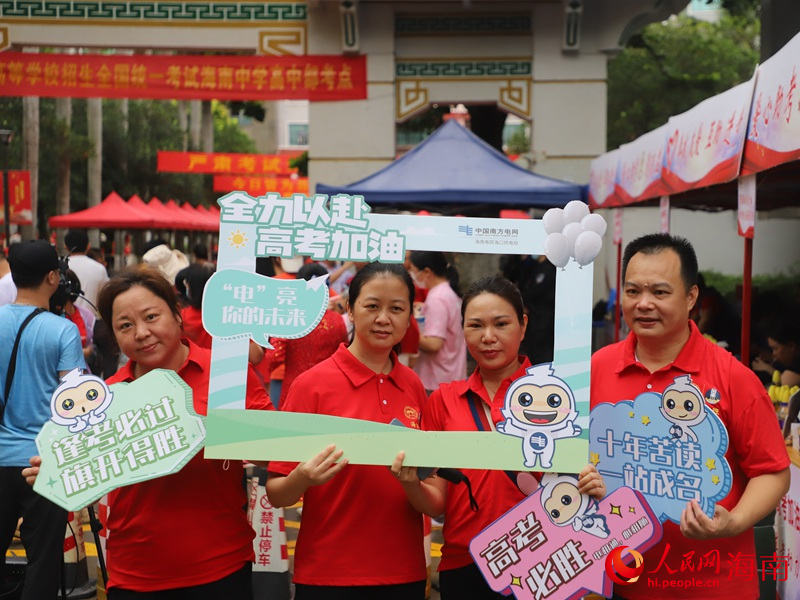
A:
519	142
129	159
228	136
300	163
672	66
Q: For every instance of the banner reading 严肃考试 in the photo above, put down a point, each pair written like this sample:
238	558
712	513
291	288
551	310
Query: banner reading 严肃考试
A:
183	77
224	163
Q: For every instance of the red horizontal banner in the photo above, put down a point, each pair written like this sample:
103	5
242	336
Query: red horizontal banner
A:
19	192
259	186
179	77
223	164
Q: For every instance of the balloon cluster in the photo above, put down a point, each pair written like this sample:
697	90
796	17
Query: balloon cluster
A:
573	233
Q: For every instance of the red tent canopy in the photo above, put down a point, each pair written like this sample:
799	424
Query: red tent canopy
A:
214	211
111	213
163	221
169	219
193	221
202	216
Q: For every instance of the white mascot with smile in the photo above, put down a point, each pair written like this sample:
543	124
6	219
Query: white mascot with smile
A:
539	408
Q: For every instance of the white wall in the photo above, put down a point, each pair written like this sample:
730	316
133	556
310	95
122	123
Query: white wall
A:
776	245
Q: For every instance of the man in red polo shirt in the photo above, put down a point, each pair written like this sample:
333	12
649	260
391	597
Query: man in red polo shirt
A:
659	274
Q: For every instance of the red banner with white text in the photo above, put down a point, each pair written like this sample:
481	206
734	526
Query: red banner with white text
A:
224	164
183	77
258	186
19	194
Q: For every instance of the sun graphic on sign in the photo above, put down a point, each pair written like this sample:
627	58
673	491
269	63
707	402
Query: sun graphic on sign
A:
237	239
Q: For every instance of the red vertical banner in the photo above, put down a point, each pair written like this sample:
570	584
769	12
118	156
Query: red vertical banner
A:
19	194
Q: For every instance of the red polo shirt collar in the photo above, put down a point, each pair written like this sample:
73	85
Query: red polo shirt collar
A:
125	373
356	371
689	359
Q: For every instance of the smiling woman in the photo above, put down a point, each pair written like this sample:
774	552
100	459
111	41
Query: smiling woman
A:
494	325
364	381
160	516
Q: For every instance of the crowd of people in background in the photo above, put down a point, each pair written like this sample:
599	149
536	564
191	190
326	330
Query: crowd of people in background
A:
394	344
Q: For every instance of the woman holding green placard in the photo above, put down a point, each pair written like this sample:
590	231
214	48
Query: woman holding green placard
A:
184	535
494	325
336	555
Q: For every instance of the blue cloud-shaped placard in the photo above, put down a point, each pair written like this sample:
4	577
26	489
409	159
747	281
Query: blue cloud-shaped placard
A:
635	443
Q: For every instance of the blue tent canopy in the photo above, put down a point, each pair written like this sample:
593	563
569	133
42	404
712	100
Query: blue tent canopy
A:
453	165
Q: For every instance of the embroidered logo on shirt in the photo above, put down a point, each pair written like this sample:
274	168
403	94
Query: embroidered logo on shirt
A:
412	414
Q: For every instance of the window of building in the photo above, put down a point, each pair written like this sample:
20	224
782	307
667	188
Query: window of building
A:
298	134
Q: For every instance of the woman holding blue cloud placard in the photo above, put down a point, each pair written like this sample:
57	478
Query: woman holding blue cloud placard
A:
363	380
184	535
494	325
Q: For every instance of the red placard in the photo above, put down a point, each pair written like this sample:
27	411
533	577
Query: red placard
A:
258	186
19	193
224	164
179	77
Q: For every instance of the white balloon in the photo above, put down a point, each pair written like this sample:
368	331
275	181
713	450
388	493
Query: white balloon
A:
587	247
553	220
594	222
574	211
556	249
571	232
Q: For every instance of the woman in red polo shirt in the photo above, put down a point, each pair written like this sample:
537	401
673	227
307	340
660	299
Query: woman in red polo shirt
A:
337	555
494	325
184	535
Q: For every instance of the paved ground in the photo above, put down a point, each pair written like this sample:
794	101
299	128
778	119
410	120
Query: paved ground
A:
88	592
292	524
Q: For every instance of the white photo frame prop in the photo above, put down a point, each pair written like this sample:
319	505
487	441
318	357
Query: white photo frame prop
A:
342	227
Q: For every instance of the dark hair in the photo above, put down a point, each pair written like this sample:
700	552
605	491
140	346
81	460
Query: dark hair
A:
76	240
657	242
195	278
149	278
200	251
437	263
499	286
27	281
31	262
264	266
785	331
311	270
373	270
96	254
152	243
